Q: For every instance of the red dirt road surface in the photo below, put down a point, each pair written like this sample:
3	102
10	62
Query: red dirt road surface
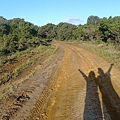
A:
74	85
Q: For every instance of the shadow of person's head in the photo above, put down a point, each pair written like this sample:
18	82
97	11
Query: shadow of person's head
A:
100	71
91	74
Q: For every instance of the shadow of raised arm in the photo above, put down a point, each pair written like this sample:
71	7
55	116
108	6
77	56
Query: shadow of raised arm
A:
109	70
83	74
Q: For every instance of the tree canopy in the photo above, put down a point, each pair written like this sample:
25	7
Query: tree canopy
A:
93	20
17	34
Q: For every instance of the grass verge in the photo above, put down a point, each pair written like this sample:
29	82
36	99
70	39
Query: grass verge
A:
31	56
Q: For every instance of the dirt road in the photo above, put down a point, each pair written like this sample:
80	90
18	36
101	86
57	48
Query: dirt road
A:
83	87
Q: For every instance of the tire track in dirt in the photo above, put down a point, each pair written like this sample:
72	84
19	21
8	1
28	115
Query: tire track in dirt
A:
29	92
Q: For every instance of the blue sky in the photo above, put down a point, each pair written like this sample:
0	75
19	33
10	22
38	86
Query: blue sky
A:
41	12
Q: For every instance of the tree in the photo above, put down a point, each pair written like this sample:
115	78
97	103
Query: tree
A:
17	34
46	31
93	20
64	31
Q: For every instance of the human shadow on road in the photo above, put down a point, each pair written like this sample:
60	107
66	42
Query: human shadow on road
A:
92	110
110	98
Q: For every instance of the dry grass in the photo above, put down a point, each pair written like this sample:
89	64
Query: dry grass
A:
18	62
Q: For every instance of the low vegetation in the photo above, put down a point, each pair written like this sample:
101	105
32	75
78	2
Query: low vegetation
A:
18	62
20	47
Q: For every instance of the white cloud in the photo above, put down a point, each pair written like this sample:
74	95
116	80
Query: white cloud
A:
74	20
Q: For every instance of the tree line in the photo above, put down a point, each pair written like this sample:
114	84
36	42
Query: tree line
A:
17	34
104	29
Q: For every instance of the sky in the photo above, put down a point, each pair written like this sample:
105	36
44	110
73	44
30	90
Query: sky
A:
42	12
